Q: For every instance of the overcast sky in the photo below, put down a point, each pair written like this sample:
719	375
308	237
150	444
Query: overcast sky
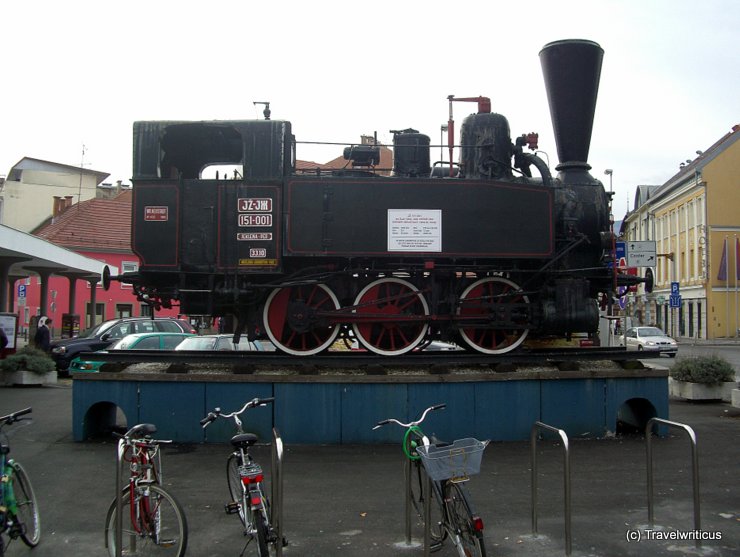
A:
81	72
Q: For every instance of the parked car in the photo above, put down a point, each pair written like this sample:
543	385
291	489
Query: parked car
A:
136	341
225	342
649	339
102	336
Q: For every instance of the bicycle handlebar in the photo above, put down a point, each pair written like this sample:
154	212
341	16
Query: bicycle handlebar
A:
414	423
15	416
216	413
143	432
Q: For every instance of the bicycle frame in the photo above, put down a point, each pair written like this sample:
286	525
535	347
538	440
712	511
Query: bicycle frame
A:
145	461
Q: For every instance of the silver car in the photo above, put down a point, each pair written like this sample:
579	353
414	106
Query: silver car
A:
224	342
649	339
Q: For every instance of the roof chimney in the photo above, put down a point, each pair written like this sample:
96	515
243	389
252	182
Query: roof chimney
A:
56	208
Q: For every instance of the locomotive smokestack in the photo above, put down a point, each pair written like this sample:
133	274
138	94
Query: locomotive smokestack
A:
572	69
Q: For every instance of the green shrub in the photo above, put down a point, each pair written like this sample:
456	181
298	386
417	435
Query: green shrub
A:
30	359
709	370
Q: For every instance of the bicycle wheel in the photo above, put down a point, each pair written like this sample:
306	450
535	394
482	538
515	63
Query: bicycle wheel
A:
260	525
160	526
467	539
236	489
28	510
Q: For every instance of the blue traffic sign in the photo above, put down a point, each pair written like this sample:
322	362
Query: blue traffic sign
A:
675	300
674	288
621	250
21	290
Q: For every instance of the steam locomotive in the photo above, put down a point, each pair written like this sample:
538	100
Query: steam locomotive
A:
478	251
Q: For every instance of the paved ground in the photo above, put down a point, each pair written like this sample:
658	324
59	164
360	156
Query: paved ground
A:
346	500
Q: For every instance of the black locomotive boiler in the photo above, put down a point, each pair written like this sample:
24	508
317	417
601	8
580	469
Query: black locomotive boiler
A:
479	251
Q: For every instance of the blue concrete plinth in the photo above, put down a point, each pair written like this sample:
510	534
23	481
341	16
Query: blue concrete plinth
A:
343	409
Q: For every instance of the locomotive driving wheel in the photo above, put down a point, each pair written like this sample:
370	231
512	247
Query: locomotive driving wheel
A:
292	321
489	309
392	308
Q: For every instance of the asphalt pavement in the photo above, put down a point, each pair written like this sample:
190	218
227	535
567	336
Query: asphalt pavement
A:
347	500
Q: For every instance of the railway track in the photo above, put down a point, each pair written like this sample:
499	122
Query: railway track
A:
431	362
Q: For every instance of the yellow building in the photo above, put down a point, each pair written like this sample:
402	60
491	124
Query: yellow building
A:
694	219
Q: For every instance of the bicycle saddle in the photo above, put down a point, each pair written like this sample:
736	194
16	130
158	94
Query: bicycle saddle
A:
143	429
244	439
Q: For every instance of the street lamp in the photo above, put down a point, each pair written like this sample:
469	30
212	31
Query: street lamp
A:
609	173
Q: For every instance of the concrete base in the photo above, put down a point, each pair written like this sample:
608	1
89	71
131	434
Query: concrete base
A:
23	377
335	409
700	391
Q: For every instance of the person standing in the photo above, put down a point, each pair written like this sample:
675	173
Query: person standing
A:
3	339
42	338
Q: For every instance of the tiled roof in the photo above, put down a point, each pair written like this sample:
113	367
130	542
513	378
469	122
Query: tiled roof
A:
102	225
383	167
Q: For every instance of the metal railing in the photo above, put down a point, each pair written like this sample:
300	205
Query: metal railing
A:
694	470
566	479
428	515
277	490
119	496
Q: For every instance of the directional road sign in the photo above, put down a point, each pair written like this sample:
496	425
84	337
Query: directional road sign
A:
641	254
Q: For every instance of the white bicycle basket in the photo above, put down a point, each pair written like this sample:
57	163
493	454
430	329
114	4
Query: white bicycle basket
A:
457	461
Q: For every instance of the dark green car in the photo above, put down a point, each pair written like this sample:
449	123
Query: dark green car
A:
137	341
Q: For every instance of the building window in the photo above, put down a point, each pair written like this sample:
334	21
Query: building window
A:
128	267
99	314
124	310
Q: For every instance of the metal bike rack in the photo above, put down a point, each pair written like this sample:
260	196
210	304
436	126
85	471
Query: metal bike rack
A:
694	470
119	498
277	489
428	516
566	479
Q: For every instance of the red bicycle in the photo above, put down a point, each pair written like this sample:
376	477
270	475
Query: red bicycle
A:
156	522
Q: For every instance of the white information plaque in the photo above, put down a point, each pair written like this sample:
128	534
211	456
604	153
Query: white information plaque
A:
415	230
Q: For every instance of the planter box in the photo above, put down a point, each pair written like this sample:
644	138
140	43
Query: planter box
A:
736	398
23	377
700	391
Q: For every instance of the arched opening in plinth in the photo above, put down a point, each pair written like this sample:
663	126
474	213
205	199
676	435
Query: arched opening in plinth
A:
102	419
633	416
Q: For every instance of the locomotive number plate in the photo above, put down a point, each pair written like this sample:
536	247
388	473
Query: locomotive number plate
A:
255	205
159	213
260	236
255	220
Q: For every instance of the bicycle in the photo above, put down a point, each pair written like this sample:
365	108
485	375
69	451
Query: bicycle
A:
19	512
244	478
156	522
448	466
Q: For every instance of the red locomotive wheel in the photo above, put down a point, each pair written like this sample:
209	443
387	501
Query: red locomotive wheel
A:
292	322
486	298
393	307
